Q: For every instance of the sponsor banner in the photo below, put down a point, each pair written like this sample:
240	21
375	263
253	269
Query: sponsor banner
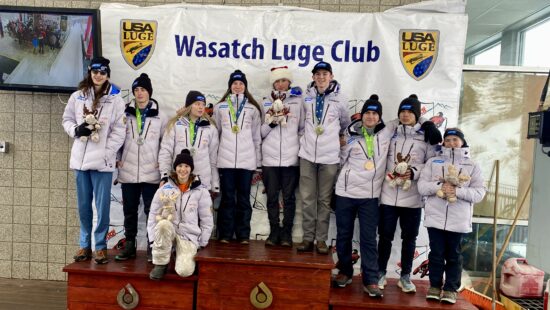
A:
184	47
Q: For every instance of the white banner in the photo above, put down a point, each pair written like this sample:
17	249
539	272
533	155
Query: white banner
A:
185	47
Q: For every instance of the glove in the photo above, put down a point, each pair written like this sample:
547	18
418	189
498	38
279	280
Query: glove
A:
82	131
273	125
431	133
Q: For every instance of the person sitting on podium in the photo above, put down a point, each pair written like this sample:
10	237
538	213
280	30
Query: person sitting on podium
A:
180	215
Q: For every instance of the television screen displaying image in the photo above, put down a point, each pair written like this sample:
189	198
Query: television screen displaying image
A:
46	49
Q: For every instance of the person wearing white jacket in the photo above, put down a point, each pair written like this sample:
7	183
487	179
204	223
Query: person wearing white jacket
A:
181	215
194	130
447	222
326	118
138	170
280	147
417	143
239	118
93	155
357	191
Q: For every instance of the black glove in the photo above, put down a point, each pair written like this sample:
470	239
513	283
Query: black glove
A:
273	125
431	133
82	131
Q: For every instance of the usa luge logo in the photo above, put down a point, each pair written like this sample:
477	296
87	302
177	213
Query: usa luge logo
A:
418	51
137	41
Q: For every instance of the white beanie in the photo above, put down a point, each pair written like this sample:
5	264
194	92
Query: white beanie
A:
278	73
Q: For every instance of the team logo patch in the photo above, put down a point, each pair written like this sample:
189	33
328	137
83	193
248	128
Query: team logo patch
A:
137	41
418	51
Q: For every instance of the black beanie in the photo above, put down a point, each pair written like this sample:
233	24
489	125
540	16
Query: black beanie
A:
143	81
237	76
372	104
455	132
184	158
100	64
322	66
412	104
193	96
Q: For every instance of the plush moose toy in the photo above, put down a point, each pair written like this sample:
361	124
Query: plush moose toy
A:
397	176
90	118
168	197
455	178
277	113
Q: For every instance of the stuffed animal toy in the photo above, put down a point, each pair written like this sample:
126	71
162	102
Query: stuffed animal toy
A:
168	197
90	118
455	178
277	113
397	176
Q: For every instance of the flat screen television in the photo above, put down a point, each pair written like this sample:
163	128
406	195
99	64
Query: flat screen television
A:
46	49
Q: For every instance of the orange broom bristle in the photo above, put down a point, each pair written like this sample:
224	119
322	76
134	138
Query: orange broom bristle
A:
479	300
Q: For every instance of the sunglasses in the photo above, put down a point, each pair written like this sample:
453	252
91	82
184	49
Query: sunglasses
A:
99	72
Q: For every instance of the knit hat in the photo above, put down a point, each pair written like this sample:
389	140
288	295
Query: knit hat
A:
237	76
184	158
322	66
372	104
193	96
412	104
143	81
279	73
455	132
100	64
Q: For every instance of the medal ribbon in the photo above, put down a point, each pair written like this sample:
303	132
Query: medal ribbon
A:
319	105
141	117
193	131
235	117
369	142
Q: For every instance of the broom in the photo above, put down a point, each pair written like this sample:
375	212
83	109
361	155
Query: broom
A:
481	301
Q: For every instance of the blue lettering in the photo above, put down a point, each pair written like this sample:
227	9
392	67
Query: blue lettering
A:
224	50
334	52
184	45
274	55
318	53
235	46
201	49
259	47
212	49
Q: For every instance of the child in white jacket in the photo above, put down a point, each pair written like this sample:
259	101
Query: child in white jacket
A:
448	221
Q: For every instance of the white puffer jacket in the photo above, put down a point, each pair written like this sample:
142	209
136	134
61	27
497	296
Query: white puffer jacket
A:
281	144
439	213
178	138
88	155
324	148
139	163
407	140
355	181
240	150
193	218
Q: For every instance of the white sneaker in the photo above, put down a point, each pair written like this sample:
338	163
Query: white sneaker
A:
382	281
406	285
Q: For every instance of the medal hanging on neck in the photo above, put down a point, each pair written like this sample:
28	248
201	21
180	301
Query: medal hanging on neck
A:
235	117
140	118
369	143
193	128
319	105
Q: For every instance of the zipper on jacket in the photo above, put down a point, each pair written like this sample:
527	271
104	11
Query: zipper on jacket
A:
147	130
280	145
84	155
200	138
138	164
186	139
132	126
185	206
346	181
446	215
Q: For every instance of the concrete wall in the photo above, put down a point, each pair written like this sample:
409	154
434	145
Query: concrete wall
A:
39	224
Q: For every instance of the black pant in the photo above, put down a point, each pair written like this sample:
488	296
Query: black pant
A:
131	192
235	210
445	256
283	179
409	221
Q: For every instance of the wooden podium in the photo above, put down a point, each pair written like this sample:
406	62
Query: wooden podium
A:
235	276
92	286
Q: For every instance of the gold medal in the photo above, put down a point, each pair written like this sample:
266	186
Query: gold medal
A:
235	129
369	165
140	141
319	130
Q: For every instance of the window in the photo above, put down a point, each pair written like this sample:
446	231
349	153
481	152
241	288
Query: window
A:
536	45
489	57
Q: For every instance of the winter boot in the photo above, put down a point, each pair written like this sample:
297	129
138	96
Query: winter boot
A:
286	236
158	272
273	238
128	252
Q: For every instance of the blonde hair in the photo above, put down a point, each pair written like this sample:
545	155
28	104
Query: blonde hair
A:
185	113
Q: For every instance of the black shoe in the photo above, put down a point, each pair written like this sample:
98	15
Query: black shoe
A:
128	252
305	246
149	254
286	237
273	238
158	272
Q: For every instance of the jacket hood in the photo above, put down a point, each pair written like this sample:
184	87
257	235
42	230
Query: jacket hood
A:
194	184
333	87
154	111
354	129
456	154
